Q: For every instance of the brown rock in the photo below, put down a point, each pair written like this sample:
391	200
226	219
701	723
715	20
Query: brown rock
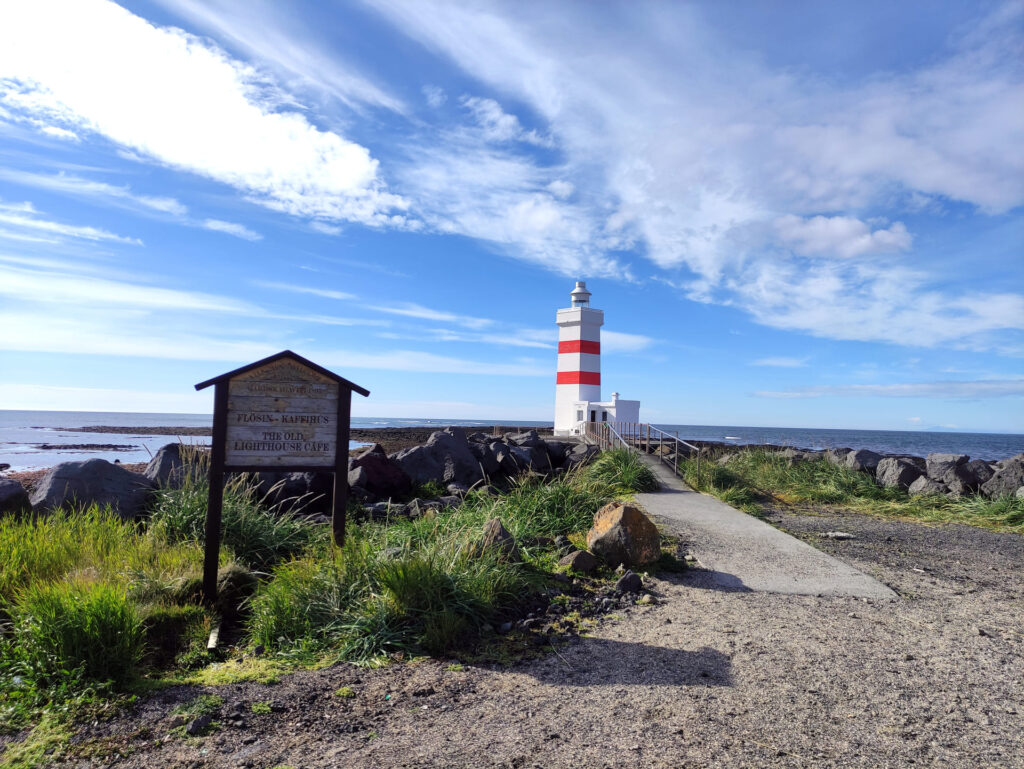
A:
495	535
580	561
622	534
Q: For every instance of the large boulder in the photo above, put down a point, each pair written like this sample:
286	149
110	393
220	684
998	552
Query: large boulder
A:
13	497
925	485
502	454
166	468
379	475
836	456
530	439
490	464
622	534
939	464
93	481
533	458
968	477
557	451
864	460
580	454
1006	480
896	473
445	458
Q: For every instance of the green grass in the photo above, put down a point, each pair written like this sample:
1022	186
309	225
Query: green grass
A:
256	536
755	478
432	593
89	602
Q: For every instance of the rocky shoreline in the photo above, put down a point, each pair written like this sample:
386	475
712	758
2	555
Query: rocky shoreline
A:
403	460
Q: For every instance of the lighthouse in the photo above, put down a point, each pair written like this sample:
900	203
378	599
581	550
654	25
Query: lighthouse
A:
578	381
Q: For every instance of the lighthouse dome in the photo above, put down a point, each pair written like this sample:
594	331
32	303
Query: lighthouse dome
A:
580	296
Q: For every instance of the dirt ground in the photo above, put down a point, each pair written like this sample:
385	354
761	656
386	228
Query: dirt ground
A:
705	678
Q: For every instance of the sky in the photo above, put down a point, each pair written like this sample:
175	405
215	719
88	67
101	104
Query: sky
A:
793	214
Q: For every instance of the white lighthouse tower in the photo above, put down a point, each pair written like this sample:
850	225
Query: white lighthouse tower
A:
578	383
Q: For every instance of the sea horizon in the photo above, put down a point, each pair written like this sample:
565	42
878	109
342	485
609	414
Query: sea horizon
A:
25	433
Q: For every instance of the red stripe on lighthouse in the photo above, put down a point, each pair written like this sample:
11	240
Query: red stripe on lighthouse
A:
579	377
580	345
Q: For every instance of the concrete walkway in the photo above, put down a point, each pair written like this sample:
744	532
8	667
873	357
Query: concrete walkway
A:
744	553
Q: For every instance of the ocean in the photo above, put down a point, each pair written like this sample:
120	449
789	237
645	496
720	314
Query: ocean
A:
24	434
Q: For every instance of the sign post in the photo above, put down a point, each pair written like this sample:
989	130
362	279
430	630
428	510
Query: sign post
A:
280	413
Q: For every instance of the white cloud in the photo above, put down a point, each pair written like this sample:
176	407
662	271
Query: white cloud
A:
434	95
1010	388
44	397
171	97
498	125
695	171
231	228
842	236
69	184
781	362
413	310
25	217
324	292
914	420
60	133
96	333
874	303
276	36
617	341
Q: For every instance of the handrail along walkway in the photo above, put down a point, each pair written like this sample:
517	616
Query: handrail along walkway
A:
634	435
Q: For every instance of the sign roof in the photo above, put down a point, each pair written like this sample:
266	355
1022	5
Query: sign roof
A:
285	354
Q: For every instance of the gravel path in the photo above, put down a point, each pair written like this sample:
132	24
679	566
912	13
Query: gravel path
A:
708	677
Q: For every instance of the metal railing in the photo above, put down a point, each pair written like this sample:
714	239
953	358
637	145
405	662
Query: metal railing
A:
641	436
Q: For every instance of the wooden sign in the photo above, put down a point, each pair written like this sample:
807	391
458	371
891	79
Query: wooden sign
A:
280	413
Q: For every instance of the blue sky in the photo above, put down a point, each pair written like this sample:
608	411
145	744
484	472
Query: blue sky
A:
803	214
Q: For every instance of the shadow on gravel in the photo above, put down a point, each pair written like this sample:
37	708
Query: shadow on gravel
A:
707	579
611	663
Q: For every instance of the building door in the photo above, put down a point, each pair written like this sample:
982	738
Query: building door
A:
593	415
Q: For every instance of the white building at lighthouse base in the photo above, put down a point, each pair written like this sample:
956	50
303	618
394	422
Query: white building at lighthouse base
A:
615	410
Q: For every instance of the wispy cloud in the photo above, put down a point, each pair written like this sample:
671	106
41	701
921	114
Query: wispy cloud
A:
184	103
1008	388
708	176
780	362
274	36
25	217
231	228
618	341
413	310
70	184
295	289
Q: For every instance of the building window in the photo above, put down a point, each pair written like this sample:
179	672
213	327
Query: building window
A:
579	415
593	415
604	416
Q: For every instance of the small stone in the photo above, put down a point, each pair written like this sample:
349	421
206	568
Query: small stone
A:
505	627
981	632
630	583
837	535
178	721
647	599
198	725
580	561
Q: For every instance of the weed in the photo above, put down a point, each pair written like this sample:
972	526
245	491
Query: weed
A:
455	667
257	535
40	747
345	693
80	630
261	708
755	477
623	469
203	705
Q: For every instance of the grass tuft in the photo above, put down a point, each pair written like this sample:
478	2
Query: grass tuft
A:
755	478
